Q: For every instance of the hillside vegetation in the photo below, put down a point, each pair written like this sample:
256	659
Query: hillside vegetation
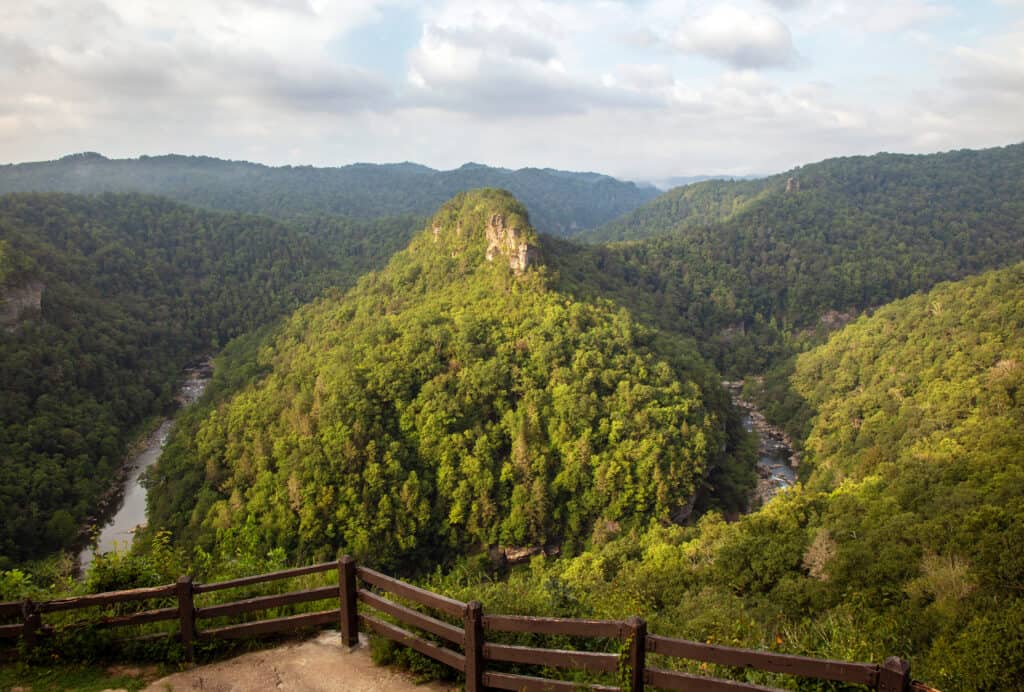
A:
560	202
857	233
453	401
105	300
903	540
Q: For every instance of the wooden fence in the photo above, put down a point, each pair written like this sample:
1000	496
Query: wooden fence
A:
463	646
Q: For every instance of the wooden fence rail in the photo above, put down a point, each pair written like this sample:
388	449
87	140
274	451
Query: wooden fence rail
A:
460	630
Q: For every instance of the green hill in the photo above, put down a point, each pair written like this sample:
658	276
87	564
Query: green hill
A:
453	401
560	202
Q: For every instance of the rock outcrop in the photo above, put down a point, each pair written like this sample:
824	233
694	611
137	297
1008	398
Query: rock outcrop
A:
15	301
509	242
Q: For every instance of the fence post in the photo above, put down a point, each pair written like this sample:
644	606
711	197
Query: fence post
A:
473	622
347	600
31	623
894	676
637	652
187	616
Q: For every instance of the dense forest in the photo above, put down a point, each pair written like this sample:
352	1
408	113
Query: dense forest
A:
903	540
793	259
453	401
105	300
560	202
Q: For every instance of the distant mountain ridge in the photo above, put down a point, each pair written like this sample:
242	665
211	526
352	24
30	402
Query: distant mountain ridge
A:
560	202
864	185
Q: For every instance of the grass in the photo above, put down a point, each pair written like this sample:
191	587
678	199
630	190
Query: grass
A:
80	677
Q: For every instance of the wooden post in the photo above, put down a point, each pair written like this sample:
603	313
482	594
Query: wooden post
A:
637	653
187	617
31	623
347	600
473	622
894	676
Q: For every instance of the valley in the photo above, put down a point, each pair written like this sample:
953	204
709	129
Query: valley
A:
117	531
421	383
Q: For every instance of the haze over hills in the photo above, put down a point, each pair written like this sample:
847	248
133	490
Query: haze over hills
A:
560	202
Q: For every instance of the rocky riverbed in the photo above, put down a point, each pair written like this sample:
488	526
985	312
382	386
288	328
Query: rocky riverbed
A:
776	460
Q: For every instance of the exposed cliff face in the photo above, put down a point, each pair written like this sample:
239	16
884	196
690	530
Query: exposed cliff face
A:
480	227
15	301
509	242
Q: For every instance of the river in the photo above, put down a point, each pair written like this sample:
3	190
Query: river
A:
776	461
117	534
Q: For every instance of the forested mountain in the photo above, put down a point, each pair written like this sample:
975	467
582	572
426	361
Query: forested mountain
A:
453	401
905	537
103	301
789	257
688	206
560	202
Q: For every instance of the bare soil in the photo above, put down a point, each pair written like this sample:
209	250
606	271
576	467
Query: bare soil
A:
321	664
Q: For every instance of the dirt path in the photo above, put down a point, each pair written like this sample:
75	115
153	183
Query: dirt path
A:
314	665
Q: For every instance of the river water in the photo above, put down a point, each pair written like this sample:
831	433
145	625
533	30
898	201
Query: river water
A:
117	534
776	461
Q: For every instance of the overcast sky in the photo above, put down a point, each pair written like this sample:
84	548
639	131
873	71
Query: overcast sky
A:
640	89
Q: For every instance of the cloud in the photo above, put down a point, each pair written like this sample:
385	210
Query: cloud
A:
890	16
476	69
788	4
738	38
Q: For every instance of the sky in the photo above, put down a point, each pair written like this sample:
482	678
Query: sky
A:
639	89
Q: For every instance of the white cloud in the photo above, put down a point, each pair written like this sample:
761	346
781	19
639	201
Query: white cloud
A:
737	38
876	16
609	85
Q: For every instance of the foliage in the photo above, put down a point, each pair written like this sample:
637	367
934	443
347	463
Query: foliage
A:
904	539
132	289
447	404
772	267
560	202
60	676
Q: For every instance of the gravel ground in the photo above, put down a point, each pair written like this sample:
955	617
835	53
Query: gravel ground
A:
315	665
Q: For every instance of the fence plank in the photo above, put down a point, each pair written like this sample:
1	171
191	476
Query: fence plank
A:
555	658
10	609
894	676
32	623
412	617
349	619
397	634
11	631
674	680
474	626
186	616
840	671
263	602
142	618
413	593
637	653
527	683
613	629
270	576
99	599
285	624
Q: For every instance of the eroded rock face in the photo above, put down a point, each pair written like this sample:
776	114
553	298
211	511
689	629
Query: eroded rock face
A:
17	300
508	242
